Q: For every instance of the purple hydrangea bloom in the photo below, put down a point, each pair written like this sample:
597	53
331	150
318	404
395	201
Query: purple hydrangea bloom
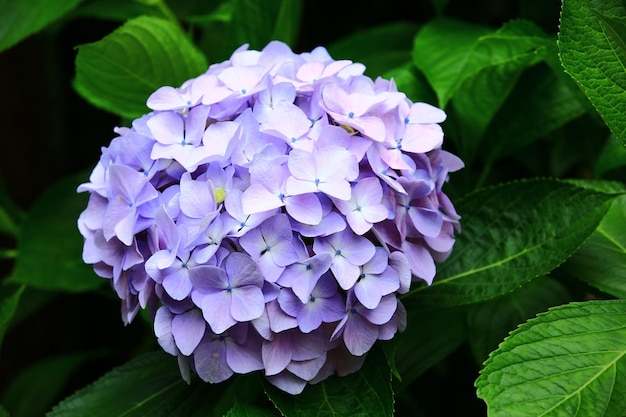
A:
269	212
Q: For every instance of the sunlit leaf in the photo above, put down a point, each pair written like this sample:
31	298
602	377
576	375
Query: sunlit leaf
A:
119	72
444	50
570	361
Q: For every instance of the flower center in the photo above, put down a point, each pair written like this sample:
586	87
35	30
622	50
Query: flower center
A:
219	194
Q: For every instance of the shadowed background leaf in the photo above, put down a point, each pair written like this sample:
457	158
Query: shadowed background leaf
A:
55	264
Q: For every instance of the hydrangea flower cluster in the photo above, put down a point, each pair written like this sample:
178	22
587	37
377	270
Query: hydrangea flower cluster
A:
269	212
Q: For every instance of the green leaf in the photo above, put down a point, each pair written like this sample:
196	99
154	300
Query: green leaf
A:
20	19
242	390
601	261
287	24
223	12
490	322
423	344
444	50
4	412
257	23
593	52
9	298
379	48
512	233
613	156
449	52
569	361
119	72
246	410
481	95
50	245
10	214
149	385
389	348
7	225
540	103
411	82
362	394
502	56
44	381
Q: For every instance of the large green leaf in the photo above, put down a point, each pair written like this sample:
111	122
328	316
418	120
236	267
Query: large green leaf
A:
119	72
257	23
491	321
449	51
149	385
570	361
444	50
513	233
20	19
601	261
366	393
592	45
481	69
380	48
50	245
481	95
